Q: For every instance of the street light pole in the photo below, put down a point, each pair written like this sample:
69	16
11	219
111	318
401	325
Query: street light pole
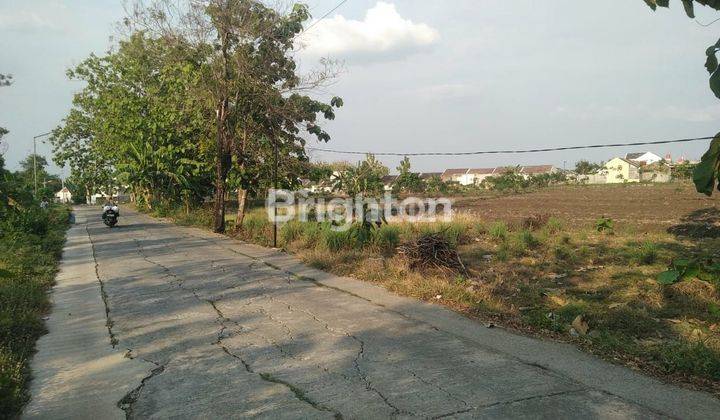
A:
35	159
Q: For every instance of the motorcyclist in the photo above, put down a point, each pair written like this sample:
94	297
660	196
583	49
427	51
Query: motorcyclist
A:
109	205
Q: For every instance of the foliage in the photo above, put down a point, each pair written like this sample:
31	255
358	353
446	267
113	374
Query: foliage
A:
363	179
584	167
511	180
683	170
683	269
196	103
604	224
435	185
30	244
407	181
706	173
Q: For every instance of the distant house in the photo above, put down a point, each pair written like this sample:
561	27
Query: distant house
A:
453	175
538	170
644	158
621	170
476	175
63	196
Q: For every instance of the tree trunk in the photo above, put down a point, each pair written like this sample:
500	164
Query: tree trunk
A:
88	198
242	205
222	166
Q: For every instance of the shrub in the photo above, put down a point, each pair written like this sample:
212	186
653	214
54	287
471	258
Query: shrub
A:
604	224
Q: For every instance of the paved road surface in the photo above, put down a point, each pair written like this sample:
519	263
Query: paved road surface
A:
224	329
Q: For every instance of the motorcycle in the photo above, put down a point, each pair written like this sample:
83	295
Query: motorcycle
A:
110	215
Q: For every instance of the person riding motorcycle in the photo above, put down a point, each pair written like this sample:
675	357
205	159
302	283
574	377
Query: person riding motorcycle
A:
111	206
110	213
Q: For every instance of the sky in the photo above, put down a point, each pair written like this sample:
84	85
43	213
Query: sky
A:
432	75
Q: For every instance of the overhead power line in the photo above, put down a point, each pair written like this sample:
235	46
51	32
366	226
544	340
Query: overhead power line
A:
498	152
324	16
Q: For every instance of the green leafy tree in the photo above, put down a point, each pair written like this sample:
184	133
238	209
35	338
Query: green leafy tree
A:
584	167
705	175
90	170
511	179
363	179
435	185
407	180
137	113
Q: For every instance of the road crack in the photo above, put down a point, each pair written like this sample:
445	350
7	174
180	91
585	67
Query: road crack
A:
103	294
221	320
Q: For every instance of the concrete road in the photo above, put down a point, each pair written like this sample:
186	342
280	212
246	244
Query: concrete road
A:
226	329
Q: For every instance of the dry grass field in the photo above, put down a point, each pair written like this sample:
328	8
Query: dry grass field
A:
546	263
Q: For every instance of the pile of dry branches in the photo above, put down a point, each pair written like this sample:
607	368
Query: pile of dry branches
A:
432	250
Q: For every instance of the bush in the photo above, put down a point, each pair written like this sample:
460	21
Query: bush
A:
30	243
604	224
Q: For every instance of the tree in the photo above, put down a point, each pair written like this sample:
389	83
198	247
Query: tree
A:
137	113
363	179
707	172
584	167
407	180
249	77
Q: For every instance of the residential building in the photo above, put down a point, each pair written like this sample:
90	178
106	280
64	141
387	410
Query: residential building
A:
476	176
533	170
644	158
427	175
63	196
621	170
453	175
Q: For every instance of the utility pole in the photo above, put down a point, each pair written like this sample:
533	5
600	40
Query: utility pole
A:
275	186
35	160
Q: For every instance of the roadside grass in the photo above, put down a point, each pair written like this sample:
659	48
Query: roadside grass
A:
30	247
543	279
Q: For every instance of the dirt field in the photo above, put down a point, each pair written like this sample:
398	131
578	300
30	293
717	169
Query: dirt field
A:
649	207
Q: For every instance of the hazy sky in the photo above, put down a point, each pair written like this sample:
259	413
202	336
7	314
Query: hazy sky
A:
433	75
